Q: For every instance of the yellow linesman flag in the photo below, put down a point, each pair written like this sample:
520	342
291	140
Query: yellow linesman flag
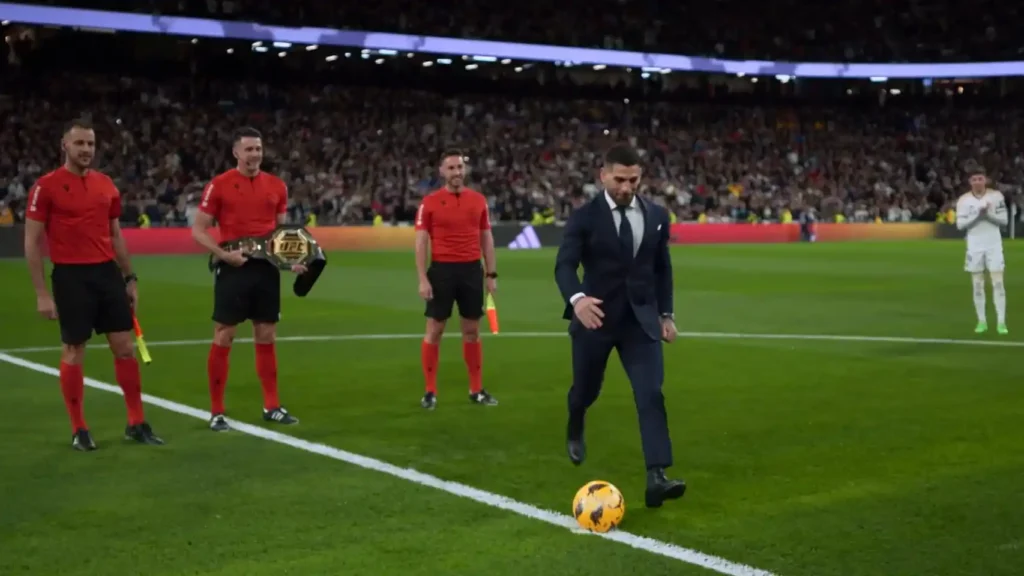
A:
140	342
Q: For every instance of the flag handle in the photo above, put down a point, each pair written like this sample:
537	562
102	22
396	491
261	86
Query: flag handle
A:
141	342
492	314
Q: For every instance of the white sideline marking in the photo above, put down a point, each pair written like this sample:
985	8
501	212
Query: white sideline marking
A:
643	543
709	335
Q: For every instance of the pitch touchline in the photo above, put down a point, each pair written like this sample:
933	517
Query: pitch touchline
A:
719	335
720	565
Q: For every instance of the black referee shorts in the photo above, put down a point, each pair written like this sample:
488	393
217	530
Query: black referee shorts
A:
456	282
90	297
251	291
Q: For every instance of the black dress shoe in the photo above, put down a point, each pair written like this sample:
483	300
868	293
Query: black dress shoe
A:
660	488
574	442
577	451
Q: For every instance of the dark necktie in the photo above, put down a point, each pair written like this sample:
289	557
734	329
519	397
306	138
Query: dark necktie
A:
625	233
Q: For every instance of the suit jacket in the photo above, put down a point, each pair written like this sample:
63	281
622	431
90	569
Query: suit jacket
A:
641	285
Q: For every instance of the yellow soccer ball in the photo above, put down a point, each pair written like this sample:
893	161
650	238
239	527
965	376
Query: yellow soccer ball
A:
598	506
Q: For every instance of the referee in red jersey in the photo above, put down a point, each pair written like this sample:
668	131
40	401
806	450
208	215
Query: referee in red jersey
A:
245	202
94	289
454	222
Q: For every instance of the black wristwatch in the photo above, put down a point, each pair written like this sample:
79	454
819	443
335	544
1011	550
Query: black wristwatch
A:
131	278
492	274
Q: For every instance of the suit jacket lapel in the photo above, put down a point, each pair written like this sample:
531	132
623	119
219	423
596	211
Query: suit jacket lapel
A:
645	210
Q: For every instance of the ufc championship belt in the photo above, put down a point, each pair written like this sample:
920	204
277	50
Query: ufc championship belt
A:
288	245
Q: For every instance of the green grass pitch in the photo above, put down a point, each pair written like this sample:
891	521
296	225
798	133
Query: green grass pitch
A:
899	456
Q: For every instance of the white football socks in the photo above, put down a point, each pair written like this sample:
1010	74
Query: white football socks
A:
979	297
999	297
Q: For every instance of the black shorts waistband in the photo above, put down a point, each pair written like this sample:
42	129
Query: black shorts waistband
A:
465	264
250	264
86	265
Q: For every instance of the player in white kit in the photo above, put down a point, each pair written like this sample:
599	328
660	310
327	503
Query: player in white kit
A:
981	212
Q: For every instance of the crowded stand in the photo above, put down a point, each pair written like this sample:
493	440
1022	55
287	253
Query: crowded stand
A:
876	31
357	139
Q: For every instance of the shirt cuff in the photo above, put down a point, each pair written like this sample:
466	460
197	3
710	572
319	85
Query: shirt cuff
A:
575	298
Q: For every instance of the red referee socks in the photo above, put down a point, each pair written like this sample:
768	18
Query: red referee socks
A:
217	373
429	354
472	353
126	371
217	365
72	386
266	369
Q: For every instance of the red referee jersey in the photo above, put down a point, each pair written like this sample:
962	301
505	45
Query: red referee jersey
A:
243	205
454	222
77	211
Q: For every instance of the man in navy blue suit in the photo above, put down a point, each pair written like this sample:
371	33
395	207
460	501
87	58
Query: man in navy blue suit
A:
624	303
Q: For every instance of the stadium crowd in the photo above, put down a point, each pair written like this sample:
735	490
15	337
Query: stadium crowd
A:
875	31
350	153
366	148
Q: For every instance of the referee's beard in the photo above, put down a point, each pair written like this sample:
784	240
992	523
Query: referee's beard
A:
79	162
250	167
454	185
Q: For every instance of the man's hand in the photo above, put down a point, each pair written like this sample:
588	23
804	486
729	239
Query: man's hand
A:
668	330
299	269
426	290
235	258
492	285
589	312
46	306
132	290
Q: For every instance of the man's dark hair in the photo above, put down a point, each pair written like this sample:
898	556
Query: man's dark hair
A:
246	132
621	154
975	170
449	152
82	123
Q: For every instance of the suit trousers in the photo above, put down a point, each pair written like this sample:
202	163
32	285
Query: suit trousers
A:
643	362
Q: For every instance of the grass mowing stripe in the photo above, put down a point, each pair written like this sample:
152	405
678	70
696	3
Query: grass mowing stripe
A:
650	545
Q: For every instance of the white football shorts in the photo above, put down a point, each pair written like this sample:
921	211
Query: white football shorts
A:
990	259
